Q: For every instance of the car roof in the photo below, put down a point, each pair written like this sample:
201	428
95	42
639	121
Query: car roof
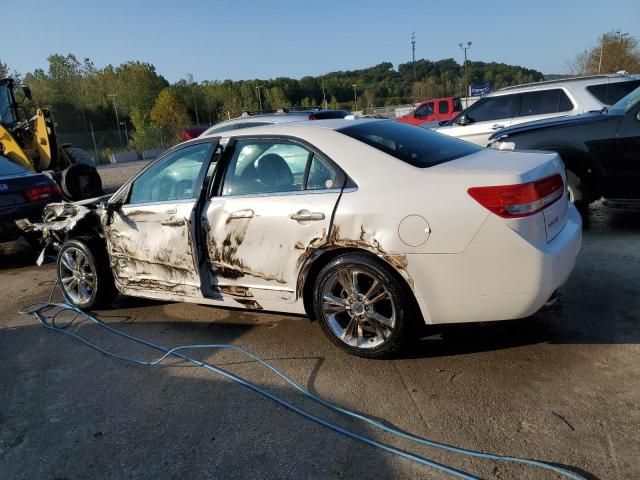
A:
277	128
569	82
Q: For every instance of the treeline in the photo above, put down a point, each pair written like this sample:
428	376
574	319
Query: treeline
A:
82	96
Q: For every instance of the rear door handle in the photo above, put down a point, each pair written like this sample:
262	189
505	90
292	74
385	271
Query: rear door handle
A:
246	213
307	216
497	126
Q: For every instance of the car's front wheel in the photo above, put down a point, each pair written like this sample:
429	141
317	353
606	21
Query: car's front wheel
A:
84	273
362	306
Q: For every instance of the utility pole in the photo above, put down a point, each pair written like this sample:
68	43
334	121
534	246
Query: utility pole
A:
413	54
259	97
115	107
466	78
355	99
324	97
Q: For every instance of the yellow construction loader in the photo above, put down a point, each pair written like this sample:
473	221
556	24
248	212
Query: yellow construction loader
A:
32	143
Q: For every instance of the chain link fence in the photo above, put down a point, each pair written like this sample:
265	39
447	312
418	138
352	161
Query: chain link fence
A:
107	146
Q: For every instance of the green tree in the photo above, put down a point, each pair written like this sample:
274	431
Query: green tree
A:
612	53
170	115
147	135
4	70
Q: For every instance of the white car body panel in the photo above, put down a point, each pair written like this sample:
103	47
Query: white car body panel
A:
462	264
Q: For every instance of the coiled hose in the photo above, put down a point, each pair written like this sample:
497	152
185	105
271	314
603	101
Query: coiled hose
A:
48	313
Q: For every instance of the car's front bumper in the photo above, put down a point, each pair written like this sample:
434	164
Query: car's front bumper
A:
500	276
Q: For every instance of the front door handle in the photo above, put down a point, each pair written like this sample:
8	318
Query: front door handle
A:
307	216
497	126
171	211
246	213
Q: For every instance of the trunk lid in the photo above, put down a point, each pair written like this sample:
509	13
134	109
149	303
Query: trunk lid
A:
490	167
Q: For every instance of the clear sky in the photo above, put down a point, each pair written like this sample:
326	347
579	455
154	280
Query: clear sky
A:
216	40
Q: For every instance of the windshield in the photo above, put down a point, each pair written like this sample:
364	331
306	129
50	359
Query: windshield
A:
625	104
6	112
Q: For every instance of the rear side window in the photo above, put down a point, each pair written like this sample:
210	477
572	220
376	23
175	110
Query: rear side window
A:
610	93
7	167
544	101
416	146
443	107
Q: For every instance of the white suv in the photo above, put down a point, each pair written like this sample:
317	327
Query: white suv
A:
537	101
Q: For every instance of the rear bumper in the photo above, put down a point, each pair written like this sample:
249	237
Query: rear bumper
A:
500	276
9	231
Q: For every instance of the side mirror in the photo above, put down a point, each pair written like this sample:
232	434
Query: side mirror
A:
27	92
638	116
464	120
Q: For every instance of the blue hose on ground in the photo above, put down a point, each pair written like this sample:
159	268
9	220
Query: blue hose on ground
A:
40	309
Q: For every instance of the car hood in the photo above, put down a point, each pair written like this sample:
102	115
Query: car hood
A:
569	120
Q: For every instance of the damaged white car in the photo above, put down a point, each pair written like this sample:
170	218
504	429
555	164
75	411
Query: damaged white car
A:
370	227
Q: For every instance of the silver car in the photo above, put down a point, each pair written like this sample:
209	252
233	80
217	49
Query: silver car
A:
247	120
537	101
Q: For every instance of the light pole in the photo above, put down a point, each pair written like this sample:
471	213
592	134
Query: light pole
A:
466	79
324	97
355	98
259	97
413	54
115	107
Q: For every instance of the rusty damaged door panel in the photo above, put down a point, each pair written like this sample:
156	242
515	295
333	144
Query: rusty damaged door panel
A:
152	248
256	242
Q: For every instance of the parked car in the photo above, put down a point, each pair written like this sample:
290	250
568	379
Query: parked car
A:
247	120
600	150
23	195
192	132
536	101
436	109
372	227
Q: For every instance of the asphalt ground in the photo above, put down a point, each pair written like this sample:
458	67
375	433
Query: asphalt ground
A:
562	386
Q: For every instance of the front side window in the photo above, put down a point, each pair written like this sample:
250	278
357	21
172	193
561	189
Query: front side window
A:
416	146
544	102
7	116
175	177
269	166
491	108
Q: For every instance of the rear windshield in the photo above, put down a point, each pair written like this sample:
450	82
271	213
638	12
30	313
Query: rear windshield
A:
7	167
413	145
610	93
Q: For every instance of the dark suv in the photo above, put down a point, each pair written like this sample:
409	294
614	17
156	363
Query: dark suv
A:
600	150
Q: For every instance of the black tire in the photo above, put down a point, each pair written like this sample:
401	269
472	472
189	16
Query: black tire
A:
97	262
80	181
578	191
400	303
78	155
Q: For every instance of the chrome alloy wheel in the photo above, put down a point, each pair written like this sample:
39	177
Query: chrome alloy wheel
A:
77	275
358	308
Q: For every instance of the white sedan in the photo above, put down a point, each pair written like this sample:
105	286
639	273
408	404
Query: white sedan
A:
370	227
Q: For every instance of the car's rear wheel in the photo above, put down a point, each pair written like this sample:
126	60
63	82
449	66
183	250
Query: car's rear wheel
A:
84	273
362	306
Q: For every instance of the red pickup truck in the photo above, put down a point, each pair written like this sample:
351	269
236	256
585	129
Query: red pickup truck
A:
433	110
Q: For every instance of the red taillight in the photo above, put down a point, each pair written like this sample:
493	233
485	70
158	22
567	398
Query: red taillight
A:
37	194
514	201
